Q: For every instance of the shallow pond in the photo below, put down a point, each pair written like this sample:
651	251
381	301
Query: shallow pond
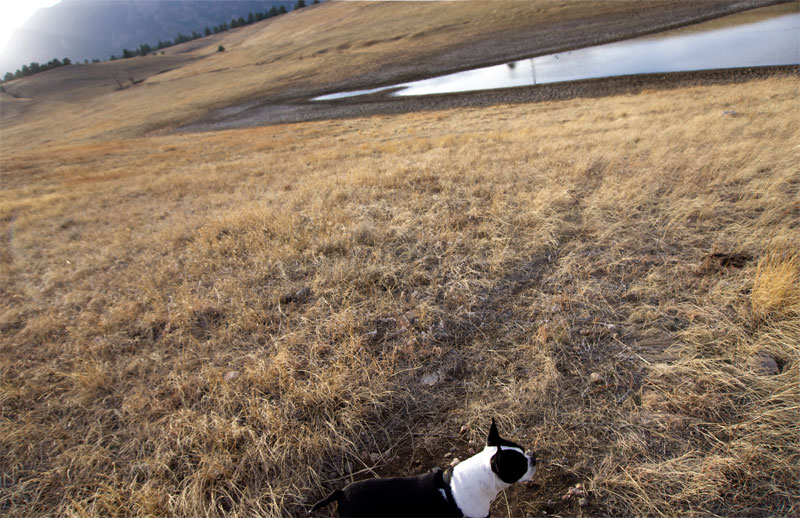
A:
762	37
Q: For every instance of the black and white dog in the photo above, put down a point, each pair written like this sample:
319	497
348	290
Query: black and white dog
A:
465	491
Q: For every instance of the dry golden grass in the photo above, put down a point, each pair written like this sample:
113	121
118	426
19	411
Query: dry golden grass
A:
233	323
288	55
324	44
776	288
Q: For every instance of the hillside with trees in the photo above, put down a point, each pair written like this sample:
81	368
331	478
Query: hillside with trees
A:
87	30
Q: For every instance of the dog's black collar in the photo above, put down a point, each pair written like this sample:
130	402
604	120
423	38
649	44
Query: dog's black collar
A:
446	476
443	483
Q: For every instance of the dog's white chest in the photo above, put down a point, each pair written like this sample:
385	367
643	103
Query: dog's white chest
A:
474	485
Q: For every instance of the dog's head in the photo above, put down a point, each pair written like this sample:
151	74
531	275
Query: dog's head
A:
511	463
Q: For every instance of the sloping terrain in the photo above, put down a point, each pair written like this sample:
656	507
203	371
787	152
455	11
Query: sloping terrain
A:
92	29
336	45
233	323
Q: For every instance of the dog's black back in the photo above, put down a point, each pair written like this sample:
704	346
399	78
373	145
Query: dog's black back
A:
419	496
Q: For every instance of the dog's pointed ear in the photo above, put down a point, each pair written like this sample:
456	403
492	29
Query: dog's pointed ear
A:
494	436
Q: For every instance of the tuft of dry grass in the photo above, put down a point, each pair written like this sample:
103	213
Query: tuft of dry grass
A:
234	323
776	286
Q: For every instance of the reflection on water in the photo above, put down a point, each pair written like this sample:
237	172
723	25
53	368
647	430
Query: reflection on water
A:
762	37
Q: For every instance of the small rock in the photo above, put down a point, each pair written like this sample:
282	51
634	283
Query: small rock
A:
764	364
576	491
454	462
583	501
730	113
431	379
464	429
299	296
471	451
232	375
448	455
596	378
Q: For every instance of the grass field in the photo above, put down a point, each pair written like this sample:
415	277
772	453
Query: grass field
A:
234	323
231	323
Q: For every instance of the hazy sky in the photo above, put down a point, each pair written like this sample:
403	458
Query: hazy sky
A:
14	13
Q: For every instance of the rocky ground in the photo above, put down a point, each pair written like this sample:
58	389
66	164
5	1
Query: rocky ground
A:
262	113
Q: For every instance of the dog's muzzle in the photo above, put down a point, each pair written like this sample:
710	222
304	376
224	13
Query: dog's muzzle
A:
531	458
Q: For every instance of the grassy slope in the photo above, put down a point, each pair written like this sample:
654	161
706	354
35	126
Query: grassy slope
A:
300	52
512	251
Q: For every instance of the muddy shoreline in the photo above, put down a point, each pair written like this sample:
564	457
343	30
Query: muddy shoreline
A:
496	48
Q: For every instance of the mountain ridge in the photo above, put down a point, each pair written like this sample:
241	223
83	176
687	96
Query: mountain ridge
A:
90	29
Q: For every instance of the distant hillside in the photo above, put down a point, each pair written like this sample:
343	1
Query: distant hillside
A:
96	29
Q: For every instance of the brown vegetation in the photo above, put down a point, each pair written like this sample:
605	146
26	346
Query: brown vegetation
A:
232	323
336	45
